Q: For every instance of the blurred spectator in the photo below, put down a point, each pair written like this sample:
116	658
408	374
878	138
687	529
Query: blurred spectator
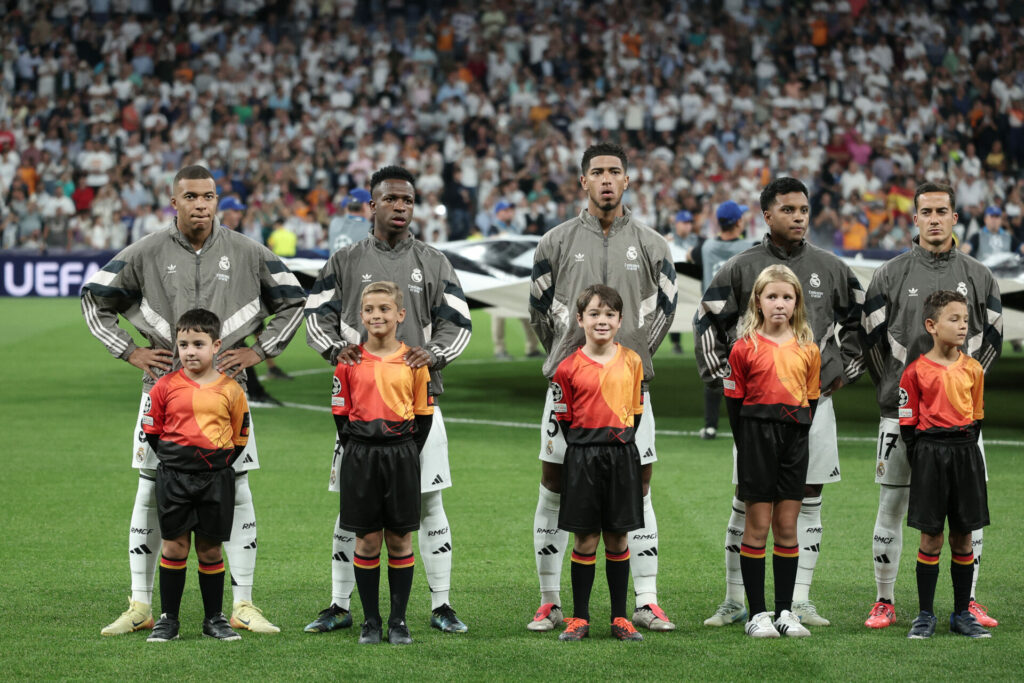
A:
992	241
353	224
282	241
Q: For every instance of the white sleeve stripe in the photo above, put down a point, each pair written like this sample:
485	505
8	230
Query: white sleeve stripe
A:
458	304
899	352
239	318
647	306
161	326
102	277
315	301
103	334
457	346
349	333
286	278
286	332
540	285
994	316
668	287
707	347
874	320
317	335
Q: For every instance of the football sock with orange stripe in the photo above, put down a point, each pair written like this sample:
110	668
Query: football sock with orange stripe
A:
752	568
211	586
172	584
961	569
582	574
927	577
400	573
367	571
616	569
785	560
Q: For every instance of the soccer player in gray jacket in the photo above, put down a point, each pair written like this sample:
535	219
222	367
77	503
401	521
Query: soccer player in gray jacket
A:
894	337
833	297
437	327
605	244
192	263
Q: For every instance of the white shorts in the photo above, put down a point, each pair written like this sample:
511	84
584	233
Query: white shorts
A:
822	447
434	471
891	466
552	443
144	458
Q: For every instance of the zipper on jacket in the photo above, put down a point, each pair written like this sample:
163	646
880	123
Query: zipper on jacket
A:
198	279
604	265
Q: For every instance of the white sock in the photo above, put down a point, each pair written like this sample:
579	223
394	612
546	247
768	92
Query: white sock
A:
808	536
241	549
977	544
549	544
887	545
733	539
343	576
435	547
643	557
144	539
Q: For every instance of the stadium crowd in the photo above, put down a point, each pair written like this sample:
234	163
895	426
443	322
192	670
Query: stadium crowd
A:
293	104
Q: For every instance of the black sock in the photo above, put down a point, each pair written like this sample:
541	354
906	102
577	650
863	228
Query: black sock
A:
616	569
961	569
752	569
367	571
172	584
784	563
927	577
582	574
211	585
400	573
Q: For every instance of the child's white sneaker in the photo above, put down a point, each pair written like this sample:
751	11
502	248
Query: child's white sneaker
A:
760	626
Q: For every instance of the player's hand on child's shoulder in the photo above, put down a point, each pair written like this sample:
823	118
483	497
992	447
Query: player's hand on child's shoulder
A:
350	355
417	357
233	361
154	362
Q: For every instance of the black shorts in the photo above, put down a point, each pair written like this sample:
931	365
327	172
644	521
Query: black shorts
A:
771	460
203	502
601	489
948	480
380	487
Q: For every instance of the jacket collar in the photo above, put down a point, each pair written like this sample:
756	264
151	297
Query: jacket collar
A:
180	239
591	222
397	249
778	252
929	256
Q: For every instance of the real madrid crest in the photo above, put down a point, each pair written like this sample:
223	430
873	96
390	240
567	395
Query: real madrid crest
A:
417	275
224	263
961	288
631	253
815	280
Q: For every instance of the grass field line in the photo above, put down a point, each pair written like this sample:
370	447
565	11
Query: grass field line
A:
662	432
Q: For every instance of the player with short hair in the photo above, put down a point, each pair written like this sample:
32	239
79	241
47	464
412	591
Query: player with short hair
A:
383	413
833	298
598	405
894	336
940	423
198	424
194	261
437	329
607	245
772	392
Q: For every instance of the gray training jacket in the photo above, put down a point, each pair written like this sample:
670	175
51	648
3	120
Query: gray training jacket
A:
153	281
632	258
437	315
893	326
832	295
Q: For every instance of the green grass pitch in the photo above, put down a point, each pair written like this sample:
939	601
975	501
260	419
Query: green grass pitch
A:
67	490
